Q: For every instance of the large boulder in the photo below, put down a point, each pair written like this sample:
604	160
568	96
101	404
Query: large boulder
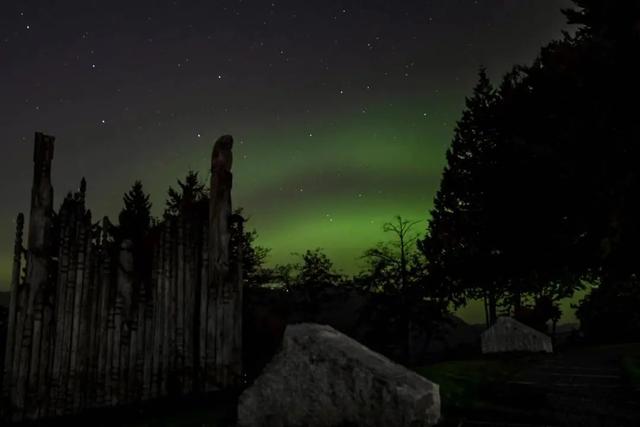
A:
509	335
323	378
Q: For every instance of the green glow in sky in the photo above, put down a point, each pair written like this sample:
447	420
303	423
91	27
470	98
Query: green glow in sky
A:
336	131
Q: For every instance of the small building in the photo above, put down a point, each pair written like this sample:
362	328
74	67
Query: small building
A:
509	335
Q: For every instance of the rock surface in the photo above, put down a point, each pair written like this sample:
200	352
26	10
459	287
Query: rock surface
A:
323	378
509	335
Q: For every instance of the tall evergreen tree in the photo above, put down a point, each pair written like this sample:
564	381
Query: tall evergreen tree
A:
457	245
189	197
135	217
135	224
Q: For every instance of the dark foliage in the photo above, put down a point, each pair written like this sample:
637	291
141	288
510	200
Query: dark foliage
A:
460	244
135	217
610	313
135	224
541	186
191	198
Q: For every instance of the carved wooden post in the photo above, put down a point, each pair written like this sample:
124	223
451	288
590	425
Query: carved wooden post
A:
38	262
223	283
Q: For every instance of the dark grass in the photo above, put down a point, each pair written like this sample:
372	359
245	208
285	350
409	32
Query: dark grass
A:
482	388
207	410
478	388
631	366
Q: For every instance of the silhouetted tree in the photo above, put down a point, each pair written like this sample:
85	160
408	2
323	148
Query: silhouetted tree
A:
610	313
405	300
391	266
316	271
135	217
540	191
459	243
190	196
607	133
253	260
135	223
615	21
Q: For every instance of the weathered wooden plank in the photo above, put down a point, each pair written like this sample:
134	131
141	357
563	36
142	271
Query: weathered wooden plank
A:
87	310
13	311
92	330
237	281
16	406
67	321
61	289
72	394
111	294
31	407
149	349
189	288
166	312
103	333
44	369
158	317
22	361
179	305
203	301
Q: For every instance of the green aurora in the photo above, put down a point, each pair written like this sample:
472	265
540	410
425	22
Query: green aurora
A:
336	131
349	182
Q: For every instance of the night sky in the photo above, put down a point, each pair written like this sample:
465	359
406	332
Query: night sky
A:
341	110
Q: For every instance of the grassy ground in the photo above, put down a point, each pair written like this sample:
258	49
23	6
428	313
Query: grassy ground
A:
487	387
469	387
631	368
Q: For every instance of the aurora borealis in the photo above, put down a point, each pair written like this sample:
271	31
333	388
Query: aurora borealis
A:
341	110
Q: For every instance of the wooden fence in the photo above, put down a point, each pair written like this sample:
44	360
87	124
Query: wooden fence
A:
85	331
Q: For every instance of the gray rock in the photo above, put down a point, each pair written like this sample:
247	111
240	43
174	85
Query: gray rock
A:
509	335
323	378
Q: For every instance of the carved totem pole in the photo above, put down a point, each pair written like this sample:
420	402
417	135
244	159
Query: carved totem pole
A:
224	320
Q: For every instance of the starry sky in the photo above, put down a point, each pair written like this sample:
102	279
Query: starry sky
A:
342	110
